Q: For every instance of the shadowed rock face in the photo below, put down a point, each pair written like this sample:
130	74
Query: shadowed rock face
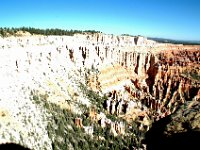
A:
177	131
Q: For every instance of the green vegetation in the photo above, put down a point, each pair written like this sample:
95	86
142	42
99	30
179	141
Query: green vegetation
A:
64	134
94	97
192	74
127	35
12	31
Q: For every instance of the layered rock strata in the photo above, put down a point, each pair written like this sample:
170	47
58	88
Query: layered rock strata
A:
144	81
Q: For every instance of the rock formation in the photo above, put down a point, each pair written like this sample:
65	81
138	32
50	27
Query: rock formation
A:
142	81
178	131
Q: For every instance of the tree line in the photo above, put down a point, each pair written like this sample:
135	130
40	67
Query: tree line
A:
52	31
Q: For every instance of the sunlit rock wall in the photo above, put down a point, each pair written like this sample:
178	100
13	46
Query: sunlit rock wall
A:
138	75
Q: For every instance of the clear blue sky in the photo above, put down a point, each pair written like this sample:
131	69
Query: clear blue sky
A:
176	19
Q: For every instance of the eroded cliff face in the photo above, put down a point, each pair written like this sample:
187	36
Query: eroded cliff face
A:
119	79
153	80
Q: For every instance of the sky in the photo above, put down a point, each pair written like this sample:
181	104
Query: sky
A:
174	19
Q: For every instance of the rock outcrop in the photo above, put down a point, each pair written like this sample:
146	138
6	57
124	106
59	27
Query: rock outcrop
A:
141	81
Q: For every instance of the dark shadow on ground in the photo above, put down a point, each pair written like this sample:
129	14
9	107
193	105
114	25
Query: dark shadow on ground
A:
156	140
12	146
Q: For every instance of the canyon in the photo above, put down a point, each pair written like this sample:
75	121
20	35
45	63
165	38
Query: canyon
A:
123	84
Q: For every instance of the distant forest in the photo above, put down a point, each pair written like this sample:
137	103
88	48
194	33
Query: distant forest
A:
4	32
184	42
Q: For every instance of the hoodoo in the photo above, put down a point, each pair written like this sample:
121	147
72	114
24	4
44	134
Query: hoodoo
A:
61	91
